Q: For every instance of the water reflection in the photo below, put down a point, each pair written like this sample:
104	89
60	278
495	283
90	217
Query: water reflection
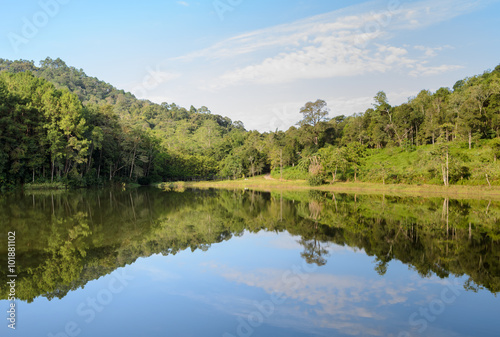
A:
67	239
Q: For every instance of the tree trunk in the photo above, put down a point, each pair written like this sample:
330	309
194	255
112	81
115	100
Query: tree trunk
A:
66	170
52	173
281	163
90	156
150	160
470	139
70	165
99	166
447	169
133	161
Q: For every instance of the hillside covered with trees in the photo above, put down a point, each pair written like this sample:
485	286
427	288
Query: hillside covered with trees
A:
59	125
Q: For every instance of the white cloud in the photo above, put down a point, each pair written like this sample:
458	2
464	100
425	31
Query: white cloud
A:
349	42
423	70
429	12
183	3
431	51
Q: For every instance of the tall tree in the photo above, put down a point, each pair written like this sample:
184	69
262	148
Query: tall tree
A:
313	113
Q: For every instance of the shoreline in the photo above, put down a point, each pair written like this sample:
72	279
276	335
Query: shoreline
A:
270	185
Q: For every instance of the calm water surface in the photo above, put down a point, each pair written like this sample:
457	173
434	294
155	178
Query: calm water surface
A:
239	263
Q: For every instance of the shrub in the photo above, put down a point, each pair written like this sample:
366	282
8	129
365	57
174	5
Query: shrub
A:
459	173
316	180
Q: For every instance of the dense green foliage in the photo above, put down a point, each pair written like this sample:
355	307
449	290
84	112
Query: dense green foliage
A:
57	123
65	239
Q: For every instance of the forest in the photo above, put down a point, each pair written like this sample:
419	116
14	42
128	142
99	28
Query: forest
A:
60	126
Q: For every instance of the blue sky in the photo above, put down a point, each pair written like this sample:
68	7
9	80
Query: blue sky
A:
260	61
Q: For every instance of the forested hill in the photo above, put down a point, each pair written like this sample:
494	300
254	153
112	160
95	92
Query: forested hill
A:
92	91
58	124
85	131
88	89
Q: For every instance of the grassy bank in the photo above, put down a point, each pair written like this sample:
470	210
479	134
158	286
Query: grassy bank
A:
45	186
262	183
418	165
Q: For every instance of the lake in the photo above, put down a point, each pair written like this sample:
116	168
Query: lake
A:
146	262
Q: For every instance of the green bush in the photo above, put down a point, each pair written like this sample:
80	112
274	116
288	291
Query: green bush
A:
316	180
459	173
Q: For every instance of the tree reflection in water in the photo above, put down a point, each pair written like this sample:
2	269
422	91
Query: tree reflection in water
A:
66	239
